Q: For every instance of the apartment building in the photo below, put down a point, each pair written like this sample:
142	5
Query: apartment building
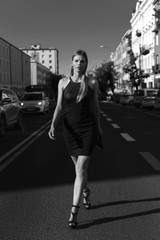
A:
120	58
143	38
14	67
145	43
40	74
125	57
46	56
156	67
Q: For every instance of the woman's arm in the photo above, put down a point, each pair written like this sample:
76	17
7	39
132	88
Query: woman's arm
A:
57	111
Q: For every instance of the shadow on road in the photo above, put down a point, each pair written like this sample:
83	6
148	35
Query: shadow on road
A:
123	202
111	219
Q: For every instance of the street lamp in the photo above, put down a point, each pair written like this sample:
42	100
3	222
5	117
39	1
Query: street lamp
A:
102	46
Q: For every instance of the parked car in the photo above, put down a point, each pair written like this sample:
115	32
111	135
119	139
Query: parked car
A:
141	94
149	101
126	99
10	110
157	101
35	102
116	97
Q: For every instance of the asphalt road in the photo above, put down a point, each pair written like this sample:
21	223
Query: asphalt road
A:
36	185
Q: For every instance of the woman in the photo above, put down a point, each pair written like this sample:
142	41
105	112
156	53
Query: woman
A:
77	99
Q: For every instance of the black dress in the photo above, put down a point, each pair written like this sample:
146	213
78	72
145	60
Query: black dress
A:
79	126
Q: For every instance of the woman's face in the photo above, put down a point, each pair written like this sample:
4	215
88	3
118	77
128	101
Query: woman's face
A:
79	64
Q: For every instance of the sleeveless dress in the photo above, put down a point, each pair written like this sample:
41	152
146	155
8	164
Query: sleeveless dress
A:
79	125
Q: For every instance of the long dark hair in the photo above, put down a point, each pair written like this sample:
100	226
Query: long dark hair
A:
84	83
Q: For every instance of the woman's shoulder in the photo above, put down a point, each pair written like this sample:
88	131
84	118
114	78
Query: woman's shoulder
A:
63	82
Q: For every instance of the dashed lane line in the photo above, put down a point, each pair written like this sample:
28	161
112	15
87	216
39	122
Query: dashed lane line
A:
109	119
127	137
115	125
154	162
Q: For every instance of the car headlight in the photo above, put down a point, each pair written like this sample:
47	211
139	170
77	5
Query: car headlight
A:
40	103
22	104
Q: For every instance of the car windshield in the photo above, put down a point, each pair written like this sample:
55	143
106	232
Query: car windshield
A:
151	93
139	93
32	97
127	95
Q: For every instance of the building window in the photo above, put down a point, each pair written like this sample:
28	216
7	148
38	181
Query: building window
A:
50	61
50	55
150	85
157	40
157	59
43	61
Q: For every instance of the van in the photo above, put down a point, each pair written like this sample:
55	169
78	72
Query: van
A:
143	95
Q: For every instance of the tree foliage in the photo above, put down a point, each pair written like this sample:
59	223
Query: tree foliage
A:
106	77
137	75
54	80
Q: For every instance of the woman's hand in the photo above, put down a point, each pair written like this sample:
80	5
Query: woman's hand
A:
51	133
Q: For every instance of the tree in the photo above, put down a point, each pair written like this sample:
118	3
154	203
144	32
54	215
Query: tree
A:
137	75
54	80
106	76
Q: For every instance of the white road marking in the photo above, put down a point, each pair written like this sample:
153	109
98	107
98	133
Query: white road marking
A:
154	162
115	125
9	160
20	148
104	115
128	137
109	119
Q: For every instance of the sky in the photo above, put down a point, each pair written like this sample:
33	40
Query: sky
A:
68	25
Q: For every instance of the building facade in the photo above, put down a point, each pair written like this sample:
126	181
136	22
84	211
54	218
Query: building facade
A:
49	57
125	85
14	67
39	73
145	44
156	67
143	39
121	58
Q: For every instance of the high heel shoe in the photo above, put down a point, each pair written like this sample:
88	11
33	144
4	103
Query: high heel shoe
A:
72	223
86	201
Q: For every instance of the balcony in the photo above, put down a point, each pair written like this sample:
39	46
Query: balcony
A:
144	50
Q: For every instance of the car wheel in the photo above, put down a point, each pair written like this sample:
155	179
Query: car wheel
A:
2	126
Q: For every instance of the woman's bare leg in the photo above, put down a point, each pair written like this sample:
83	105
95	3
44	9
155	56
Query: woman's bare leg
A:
81	177
81	165
74	159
